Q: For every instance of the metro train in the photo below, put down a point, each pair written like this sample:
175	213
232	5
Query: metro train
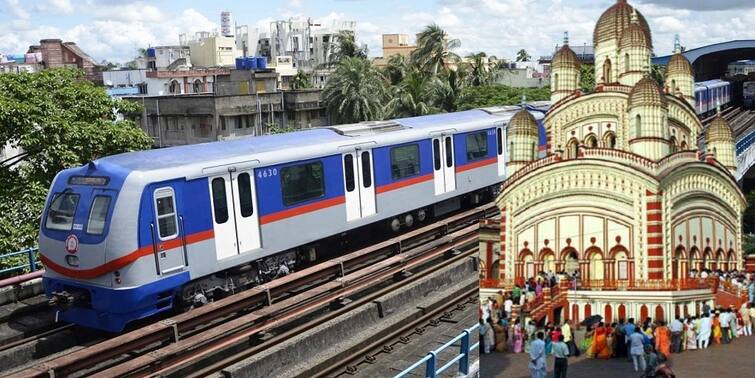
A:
709	94
131	235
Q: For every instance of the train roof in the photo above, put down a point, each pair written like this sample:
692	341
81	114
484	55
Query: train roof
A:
207	153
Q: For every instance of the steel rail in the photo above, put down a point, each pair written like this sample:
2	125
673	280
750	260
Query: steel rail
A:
467	296
187	351
268	293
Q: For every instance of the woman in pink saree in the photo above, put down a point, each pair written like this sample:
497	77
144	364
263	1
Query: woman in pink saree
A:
518	336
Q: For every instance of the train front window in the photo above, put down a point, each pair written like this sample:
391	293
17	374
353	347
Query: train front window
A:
61	212
97	215
167	224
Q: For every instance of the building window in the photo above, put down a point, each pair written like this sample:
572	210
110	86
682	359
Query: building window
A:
637	126
607	71
197	86
404	161
477	146
609	140
626	62
302	182
175	87
591	141
572	149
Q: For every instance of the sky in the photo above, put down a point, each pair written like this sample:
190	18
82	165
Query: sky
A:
113	30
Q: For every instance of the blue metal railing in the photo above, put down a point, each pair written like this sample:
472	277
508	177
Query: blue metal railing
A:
31	262
431	360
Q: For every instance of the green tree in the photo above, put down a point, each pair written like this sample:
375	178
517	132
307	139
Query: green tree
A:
478	72
354	92
346	47
587	78
447	91
58	120
412	97
433	50
523	56
301	81
658	73
748	218
497	95
396	69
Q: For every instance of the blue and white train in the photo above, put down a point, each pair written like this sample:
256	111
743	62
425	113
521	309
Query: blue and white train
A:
709	94
132	235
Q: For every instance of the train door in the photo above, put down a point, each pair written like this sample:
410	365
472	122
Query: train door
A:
223	219
359	184
168	226
500	145
245	211
444	172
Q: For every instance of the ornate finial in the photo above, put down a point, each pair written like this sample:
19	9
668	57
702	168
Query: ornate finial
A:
566	38
635	19
524	99
677	44
718	108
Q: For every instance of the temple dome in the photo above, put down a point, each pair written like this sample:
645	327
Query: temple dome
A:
634	36
565	57
646	92
678	64
615	19
522	124
719	131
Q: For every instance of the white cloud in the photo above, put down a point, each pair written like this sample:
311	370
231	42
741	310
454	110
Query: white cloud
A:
63	6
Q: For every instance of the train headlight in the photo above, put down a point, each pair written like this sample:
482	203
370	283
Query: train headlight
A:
72	260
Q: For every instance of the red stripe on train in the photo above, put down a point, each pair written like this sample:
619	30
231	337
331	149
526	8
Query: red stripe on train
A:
404	183
123	261
477	164
274	217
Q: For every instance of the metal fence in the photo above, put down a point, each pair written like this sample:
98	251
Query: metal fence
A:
431	360
19	262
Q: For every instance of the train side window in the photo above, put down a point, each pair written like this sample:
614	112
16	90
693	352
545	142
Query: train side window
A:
449	153
98	215
404	161
165	204
499	140
61	212
436	154
302	182
348	167
245	195
366	170
219	200
477	145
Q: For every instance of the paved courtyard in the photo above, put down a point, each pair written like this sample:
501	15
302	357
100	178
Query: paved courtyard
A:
734	360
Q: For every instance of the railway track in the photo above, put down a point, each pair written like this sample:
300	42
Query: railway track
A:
170	345
443	310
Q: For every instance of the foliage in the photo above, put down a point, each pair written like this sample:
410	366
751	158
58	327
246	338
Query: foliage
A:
447	91
355	92
412	97
478	72
496	95
658	73
274	128
59	120
523	56
396	69
748	218
346	47
587	78
433	51
301	81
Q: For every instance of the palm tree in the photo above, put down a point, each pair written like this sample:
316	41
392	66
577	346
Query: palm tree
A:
346	46
354	92
301	81
479	73
434	49
523	56
448	91
412	97
396	69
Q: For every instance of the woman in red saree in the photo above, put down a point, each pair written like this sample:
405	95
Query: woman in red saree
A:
600	342
663	339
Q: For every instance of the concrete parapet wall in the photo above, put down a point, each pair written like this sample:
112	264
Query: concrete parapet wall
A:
24	290
316	347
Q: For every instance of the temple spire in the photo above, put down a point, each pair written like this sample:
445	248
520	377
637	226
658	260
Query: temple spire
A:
635	19
566	38
718	108
524	100
677	44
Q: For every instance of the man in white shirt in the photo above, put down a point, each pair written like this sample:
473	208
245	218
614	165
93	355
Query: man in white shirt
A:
507	307
725	322
677	328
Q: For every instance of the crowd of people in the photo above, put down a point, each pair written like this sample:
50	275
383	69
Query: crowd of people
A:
647	344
